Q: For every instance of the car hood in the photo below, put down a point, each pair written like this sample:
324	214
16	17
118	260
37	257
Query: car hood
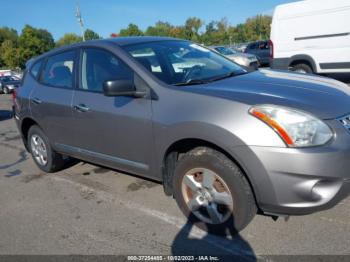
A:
250	56
323	97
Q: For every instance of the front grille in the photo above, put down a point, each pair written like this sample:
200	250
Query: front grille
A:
345	121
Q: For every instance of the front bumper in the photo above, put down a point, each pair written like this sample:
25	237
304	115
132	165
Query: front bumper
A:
290	181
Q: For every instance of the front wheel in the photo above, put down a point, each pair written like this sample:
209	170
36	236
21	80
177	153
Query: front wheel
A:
44	156
212	192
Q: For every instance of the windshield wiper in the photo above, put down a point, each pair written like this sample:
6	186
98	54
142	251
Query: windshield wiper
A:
192	82
201	81
230	74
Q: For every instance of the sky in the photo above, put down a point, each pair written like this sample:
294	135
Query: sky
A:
109	16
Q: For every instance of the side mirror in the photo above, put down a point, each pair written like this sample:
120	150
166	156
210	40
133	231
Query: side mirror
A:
121	88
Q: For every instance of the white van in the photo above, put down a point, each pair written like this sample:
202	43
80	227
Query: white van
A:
311	36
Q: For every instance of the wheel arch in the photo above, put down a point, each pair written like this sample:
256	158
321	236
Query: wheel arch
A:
26	124
303	59
181	146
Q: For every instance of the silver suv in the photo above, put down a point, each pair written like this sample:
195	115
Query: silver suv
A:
224	142
248	61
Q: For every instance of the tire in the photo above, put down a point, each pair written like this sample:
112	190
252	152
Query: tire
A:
6	90
227	176
302	68
53	160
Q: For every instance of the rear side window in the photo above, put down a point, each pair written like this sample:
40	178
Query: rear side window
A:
35	70
252	46
99	66
263	45
58	71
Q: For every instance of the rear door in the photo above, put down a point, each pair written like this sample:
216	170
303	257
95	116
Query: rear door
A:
263	52
112	131
51	98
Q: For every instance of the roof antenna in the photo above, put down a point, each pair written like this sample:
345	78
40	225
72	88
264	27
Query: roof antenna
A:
80	21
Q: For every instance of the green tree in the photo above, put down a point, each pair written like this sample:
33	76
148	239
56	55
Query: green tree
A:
159	29
16	50
33	42
258	27
238	33
192	26
10	54
68	39
216	33
220	32
131	30
7	34
91	35
177	32
209	37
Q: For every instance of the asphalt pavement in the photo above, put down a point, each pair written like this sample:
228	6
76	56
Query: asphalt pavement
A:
88	209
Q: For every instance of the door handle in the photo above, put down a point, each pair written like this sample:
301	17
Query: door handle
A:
81	108
36	101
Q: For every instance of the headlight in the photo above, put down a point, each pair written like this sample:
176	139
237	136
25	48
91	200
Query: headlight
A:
297	129
10	86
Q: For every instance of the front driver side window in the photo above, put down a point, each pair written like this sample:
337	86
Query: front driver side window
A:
99	66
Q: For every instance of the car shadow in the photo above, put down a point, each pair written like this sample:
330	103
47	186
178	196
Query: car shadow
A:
70	162
5	115
217	247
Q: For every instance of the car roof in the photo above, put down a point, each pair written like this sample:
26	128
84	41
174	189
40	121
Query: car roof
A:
120	41
130	40
216	46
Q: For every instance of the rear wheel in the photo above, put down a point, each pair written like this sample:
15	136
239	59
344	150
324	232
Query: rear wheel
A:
212	192
302	68
44	156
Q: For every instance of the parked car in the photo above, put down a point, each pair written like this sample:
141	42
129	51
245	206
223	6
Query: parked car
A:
261	49
246	60
224	142
240	47
312	36
8	84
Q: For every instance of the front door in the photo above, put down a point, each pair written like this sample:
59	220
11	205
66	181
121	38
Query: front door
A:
112	131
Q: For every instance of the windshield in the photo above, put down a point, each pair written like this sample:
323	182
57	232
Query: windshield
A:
224	50
7	79
182	62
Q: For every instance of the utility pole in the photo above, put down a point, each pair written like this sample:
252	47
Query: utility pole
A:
80	21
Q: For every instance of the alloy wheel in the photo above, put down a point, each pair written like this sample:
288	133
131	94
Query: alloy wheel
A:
38	149
207	196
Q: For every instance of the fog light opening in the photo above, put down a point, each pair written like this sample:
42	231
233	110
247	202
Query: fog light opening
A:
325	190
